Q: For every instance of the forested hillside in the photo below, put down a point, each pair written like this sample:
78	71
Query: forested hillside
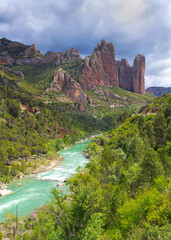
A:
34	121
124	191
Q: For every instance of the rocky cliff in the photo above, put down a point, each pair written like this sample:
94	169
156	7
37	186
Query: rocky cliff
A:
103	69
63	82
100	69
159	91
15	53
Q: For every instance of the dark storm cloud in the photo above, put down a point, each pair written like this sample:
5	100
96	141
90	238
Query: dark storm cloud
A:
134	26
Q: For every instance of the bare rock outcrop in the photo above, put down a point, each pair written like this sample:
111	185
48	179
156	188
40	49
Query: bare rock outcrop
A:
6	61
139	74
125	75
63	82
12	53
72	54
100	68
31	51
103	69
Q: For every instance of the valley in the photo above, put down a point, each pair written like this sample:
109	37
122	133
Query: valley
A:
51	102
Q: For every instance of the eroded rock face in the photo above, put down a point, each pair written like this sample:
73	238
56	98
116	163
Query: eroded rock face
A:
6	61
63	82
125	75
103	69
31	51
73	54
100	68
17	53
10	51
139	74
109	62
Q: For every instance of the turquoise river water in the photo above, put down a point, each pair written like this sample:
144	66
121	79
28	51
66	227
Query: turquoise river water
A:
30	193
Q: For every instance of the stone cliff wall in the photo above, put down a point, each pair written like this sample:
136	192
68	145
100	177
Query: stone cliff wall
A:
63	82
139	74
15	53
103	69
100	69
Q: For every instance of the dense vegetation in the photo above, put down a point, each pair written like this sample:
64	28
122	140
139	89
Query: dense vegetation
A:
124	191
33	121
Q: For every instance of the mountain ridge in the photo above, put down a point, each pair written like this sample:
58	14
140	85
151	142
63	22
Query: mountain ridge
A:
159	91
100	69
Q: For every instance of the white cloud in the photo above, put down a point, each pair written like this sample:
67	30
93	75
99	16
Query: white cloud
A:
158	70
134	26
131	11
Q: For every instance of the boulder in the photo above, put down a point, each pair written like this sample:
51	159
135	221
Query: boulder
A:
2	186
60	184
39	177
5	192
20	74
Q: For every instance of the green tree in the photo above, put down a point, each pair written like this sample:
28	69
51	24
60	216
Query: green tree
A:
151	166
165	156
1	235
13	107
94	227
151	134
160	129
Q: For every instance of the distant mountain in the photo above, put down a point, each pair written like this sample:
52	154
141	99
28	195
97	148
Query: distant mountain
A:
159	91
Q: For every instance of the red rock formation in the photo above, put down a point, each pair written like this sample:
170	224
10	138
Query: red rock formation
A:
24	54
63	82
100	68
31	51
6	61
125	75
109	62
138	74
15	48
73	54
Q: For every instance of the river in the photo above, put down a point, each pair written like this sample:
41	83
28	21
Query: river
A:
31	193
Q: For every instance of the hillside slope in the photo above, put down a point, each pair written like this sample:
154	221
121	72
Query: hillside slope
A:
36	121
124	191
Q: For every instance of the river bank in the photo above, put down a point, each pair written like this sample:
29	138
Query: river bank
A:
34	165
30	193
38	164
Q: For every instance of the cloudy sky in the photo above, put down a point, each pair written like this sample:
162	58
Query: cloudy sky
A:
134	26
